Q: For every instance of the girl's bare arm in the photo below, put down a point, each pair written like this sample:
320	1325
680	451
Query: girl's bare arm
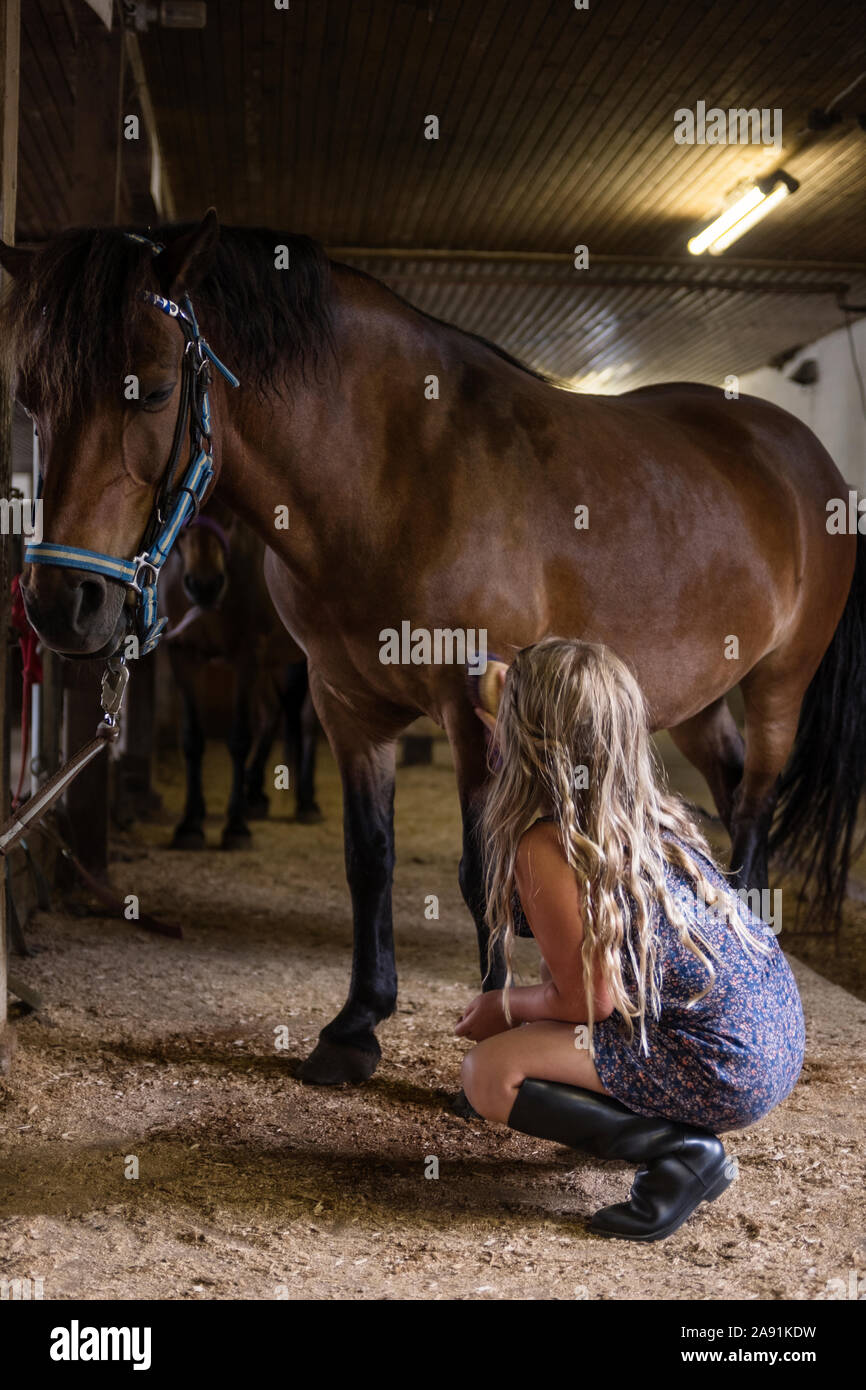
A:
551	902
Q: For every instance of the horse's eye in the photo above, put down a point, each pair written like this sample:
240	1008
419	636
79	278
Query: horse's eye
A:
154	399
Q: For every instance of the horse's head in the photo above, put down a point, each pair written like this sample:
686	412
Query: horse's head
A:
99	369
204	551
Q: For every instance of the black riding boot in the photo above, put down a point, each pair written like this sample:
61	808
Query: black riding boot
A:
680	1166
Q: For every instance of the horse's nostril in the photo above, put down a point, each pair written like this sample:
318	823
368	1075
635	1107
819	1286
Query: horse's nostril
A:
92	594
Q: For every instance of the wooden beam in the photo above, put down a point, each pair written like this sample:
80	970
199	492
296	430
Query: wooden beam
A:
104	9
160	188
10	59
565	258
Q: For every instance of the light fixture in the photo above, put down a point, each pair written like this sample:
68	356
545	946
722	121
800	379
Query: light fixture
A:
742	214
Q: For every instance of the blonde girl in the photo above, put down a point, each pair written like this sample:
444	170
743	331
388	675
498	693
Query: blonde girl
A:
667	1011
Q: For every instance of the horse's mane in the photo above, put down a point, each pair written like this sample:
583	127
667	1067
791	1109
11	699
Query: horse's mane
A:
464	332
68	326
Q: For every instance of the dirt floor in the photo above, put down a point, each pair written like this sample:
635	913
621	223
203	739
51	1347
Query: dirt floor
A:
252	1186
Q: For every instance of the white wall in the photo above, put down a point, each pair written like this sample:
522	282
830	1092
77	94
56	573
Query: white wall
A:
832	407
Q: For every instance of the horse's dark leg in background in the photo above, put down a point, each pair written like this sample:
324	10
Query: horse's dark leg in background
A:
256	798
189	834
236	834
348	1049
301	728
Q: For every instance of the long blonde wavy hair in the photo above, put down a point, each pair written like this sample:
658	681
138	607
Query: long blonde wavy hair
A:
573	738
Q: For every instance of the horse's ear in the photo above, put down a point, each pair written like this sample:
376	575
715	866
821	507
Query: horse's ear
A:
15	260
186	260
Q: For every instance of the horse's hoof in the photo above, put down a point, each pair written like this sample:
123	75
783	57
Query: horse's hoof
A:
309	815
460	1106
332	1065
235	837
188	837
257	808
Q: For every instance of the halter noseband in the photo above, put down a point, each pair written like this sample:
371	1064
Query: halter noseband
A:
173	506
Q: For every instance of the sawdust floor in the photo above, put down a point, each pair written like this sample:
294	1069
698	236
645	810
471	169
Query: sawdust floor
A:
252	1186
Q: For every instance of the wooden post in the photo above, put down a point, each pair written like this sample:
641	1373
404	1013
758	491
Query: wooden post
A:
10	52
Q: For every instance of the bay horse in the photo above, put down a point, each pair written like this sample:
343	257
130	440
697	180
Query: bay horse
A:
429	477
222	623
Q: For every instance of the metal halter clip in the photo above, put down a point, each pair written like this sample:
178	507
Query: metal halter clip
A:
115	678
142	563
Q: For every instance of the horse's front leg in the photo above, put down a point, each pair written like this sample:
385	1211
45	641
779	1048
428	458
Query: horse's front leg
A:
347	1049
256	800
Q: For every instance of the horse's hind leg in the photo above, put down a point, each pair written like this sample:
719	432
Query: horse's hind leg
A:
773	693
714	745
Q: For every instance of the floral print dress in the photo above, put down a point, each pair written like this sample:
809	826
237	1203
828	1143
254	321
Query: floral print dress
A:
725	1061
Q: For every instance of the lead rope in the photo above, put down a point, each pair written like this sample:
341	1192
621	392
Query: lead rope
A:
114	682
115	679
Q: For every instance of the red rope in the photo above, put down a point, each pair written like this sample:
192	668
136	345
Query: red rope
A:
31	674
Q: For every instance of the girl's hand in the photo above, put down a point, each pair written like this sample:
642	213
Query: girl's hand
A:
492	688
487	719
483	1018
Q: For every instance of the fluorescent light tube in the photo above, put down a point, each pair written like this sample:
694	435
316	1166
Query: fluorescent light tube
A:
754	204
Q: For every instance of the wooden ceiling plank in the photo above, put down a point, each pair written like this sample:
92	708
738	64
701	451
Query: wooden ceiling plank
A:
546	121
416	96
616	152
348	149
350	204
657	167
471	116
709	175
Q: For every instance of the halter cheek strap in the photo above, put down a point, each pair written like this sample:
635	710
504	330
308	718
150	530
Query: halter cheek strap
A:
174	505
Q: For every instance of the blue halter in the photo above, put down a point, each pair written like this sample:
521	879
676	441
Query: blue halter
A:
174	506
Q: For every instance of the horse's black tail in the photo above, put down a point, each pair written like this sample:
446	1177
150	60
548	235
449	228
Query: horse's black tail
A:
820	790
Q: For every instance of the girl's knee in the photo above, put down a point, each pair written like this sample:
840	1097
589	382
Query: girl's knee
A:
490	1081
